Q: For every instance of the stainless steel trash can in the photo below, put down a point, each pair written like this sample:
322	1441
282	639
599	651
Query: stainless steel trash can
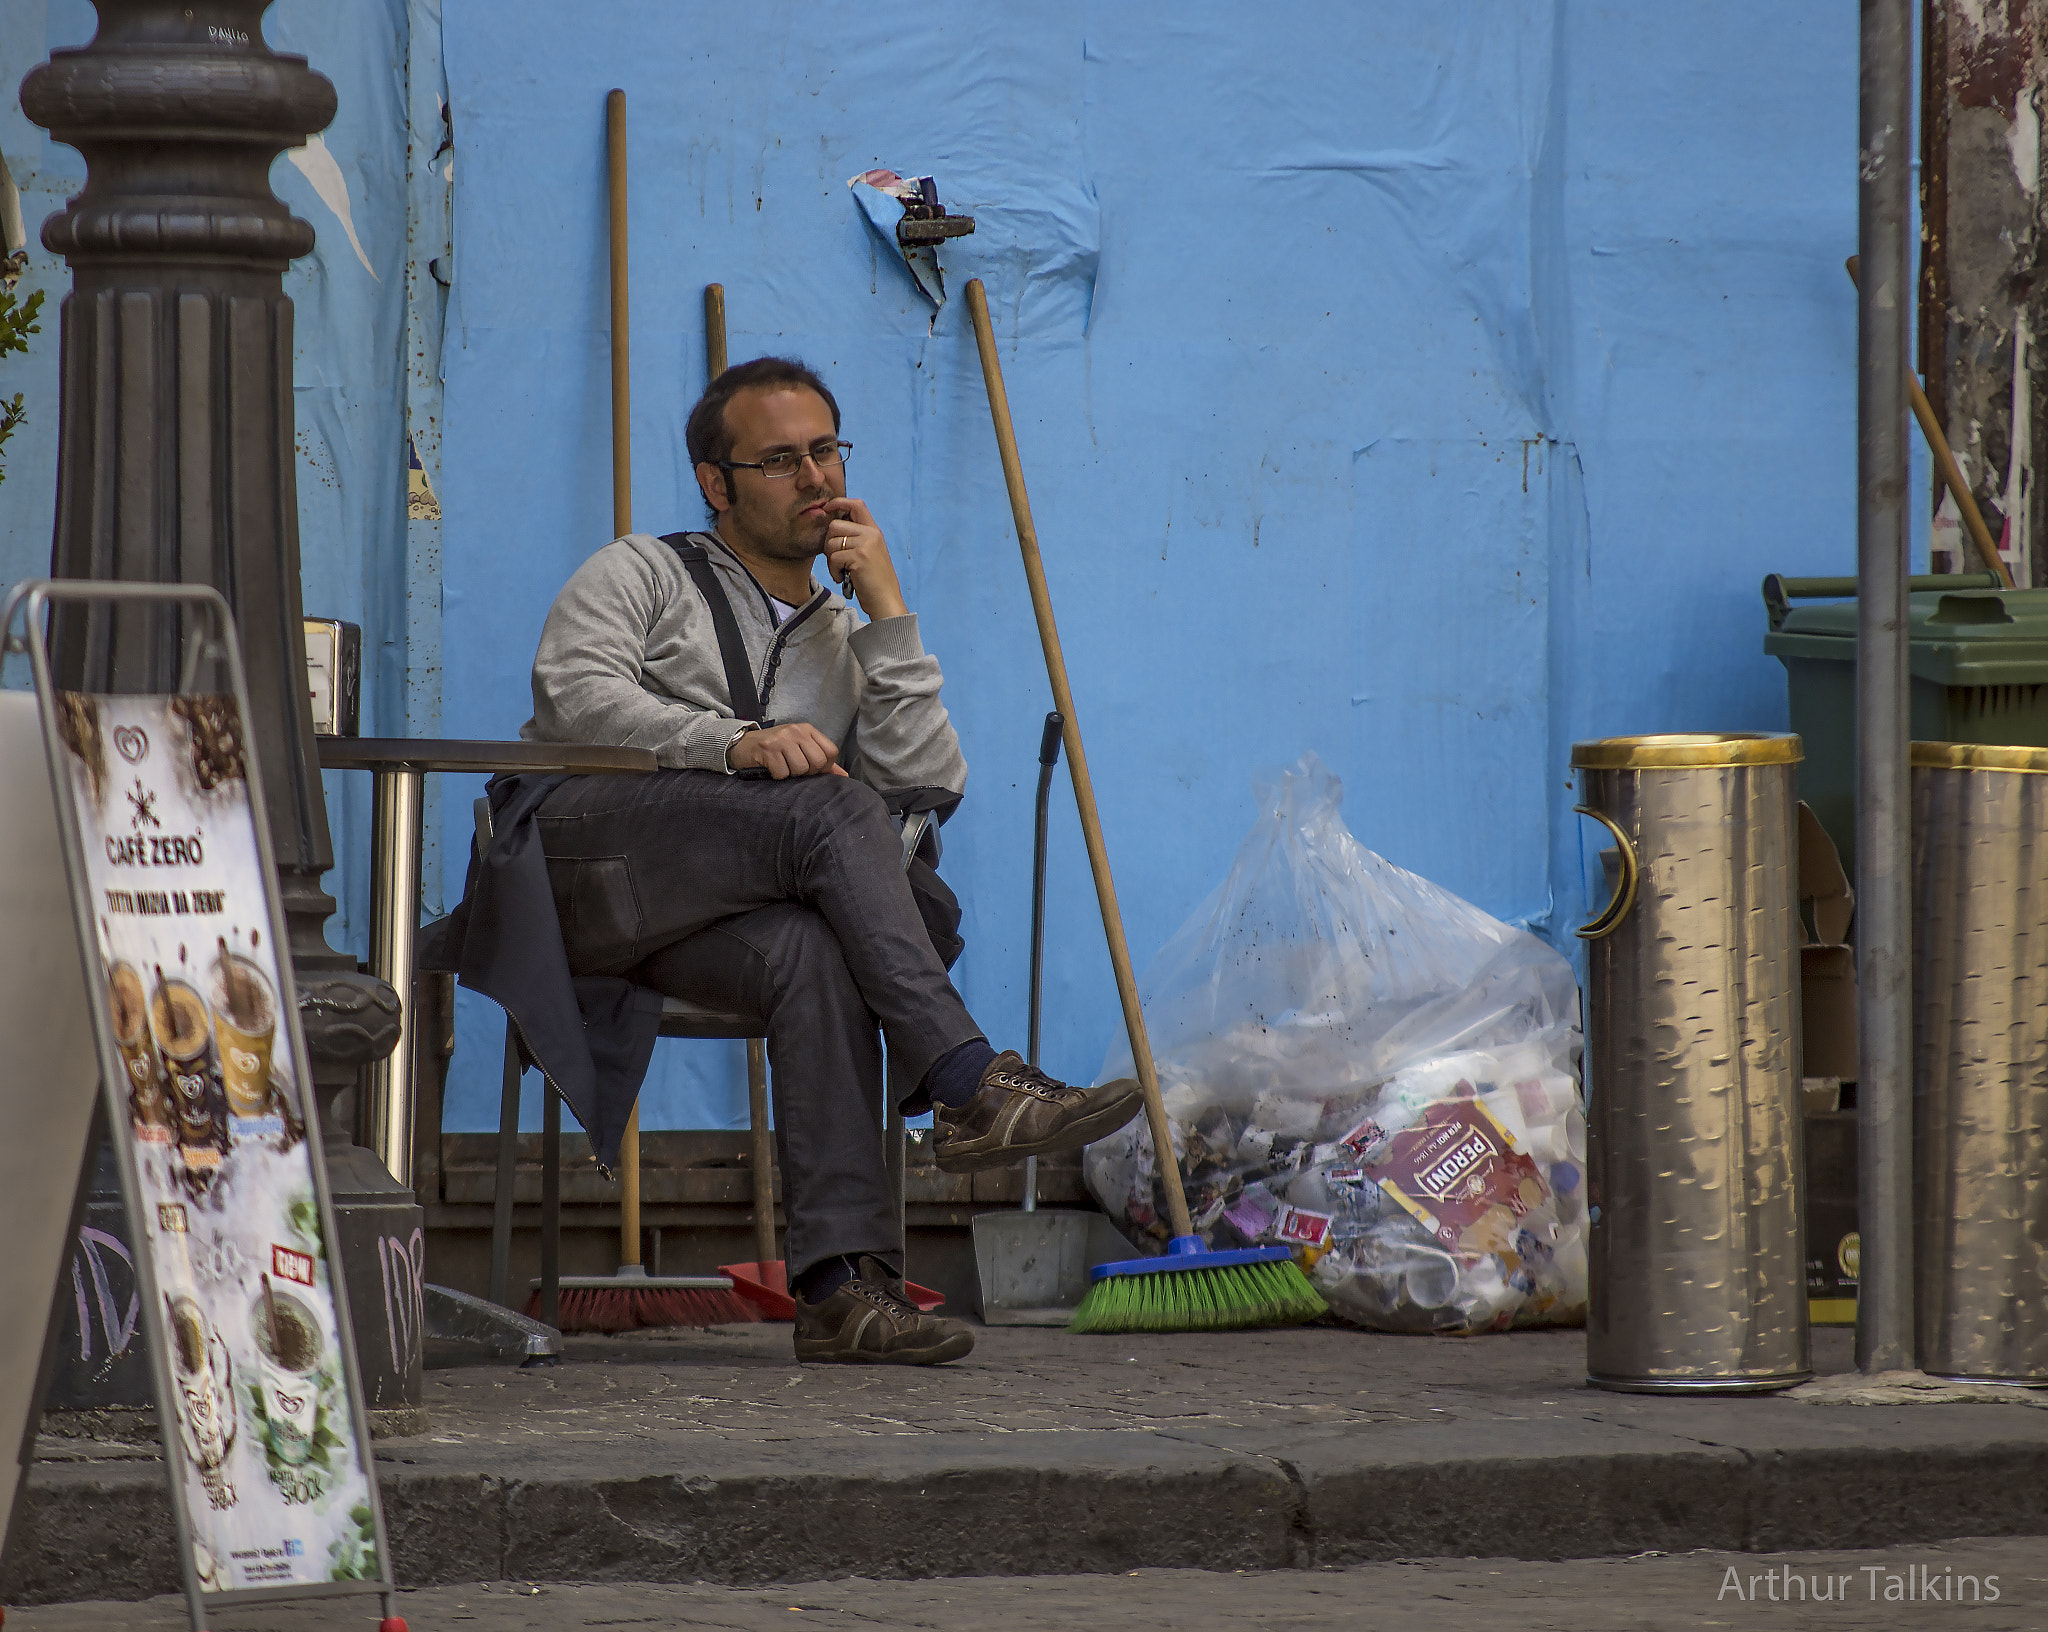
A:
1692	1067
1980	1069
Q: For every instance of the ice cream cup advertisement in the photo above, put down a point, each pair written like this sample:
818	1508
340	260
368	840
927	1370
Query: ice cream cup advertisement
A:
274	1462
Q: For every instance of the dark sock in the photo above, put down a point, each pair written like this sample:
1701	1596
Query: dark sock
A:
823	1278
955	1077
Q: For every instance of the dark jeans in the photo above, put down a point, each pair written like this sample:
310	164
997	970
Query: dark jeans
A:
785	900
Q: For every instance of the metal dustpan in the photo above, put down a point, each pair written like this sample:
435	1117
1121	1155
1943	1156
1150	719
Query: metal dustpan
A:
1034	1265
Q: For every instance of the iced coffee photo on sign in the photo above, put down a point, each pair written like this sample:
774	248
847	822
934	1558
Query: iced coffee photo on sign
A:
255	1074
244	1017
149	1106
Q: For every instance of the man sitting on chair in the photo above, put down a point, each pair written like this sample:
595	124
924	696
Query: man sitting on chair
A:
759	869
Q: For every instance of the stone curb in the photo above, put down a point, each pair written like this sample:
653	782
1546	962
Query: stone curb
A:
1076	1502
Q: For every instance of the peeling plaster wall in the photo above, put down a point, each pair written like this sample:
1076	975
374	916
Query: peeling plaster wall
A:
1980	304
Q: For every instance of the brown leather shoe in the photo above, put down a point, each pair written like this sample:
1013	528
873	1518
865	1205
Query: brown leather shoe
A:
1021	1112
868	1322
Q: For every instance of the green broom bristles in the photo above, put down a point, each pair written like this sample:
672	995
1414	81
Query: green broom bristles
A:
1200	1300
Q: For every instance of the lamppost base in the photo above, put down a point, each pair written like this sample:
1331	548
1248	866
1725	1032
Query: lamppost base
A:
383	1238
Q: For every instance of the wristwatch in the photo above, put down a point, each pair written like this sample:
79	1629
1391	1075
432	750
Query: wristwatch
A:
725	755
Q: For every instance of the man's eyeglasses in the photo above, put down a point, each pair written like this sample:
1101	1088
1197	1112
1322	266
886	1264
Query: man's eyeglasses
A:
780	466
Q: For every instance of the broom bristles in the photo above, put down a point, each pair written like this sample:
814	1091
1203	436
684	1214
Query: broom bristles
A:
1234	1298
627	1309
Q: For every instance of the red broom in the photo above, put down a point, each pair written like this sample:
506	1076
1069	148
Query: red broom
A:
615	1303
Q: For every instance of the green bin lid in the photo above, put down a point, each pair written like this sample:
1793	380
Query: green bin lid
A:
1969	637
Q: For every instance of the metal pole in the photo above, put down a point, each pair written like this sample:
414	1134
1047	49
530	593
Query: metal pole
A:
1884	1020
504	1190
394	923
550	1204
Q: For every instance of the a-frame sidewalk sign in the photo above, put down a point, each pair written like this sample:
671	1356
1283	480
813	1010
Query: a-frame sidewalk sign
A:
175	925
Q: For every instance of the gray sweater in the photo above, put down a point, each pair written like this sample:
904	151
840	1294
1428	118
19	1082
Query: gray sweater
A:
629	657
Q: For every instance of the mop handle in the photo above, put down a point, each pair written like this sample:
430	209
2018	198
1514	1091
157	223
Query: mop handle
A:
1077	761
622	524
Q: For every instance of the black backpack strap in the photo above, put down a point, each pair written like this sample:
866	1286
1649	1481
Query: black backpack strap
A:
732	650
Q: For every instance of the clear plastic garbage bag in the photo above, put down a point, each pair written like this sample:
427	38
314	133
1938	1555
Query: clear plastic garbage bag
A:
1361	1065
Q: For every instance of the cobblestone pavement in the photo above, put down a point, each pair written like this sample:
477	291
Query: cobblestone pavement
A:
727	1389
737	1386
1651	1594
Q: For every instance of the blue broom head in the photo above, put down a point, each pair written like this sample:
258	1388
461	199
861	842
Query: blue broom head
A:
1184	1252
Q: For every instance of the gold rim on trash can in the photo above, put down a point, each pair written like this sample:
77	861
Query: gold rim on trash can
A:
1681	750
1979	756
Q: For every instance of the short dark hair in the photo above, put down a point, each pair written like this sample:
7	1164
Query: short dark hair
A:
709	438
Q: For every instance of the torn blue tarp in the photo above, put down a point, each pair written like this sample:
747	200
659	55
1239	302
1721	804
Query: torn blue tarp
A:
882	195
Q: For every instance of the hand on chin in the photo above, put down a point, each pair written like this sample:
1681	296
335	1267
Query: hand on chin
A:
809	526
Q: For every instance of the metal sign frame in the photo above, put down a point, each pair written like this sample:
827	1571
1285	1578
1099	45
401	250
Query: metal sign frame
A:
34	598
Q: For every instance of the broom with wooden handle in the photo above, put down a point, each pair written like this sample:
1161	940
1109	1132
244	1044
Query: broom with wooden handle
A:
1187	1289
633	1298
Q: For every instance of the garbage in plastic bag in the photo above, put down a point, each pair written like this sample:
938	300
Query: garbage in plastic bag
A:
1360	1065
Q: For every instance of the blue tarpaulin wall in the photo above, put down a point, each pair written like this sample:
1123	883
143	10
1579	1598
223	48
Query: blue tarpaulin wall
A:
1429	387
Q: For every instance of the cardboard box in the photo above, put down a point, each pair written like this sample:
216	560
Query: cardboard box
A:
1827	963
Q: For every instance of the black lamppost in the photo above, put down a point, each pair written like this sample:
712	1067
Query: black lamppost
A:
176	464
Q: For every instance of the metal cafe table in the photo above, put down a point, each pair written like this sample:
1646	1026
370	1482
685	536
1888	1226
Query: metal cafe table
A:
400	766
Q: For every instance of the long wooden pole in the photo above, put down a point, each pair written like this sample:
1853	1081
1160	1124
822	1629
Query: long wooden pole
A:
714	331
1077	760
1951	472
622	524
622	319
